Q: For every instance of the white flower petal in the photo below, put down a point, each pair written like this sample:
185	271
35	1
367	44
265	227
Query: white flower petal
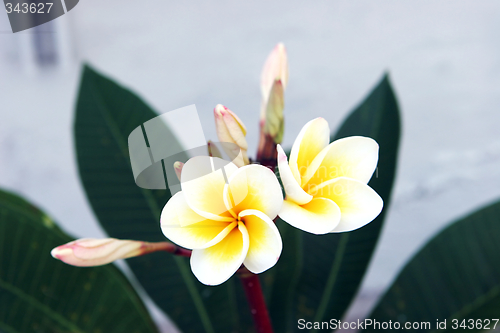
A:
359	204
265	241
216	264
320	216
312	139
354	157
202	180
292	186
186	228
254	187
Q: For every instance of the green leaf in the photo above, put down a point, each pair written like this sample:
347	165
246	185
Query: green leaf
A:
106	115
41	294
455	276
323	273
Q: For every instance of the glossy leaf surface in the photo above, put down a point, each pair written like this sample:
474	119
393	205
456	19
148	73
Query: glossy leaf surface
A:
41	294
454	277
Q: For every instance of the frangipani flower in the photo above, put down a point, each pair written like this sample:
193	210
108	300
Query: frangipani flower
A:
232	130
326	184
225	215
96	252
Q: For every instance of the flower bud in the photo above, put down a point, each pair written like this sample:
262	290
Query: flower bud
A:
97	252
231	129
213	150
178	169
275	68
274	123
274	79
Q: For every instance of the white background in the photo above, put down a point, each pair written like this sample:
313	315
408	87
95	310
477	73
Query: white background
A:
443	58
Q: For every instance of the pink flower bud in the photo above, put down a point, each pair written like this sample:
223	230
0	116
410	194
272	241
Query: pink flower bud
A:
275	69
178	169
274	79
213	150
97	252
231	129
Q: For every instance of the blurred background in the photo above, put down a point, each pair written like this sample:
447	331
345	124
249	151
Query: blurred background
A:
443	58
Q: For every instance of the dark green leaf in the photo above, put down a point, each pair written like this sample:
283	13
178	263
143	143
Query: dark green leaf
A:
106	114
455	276
41	294
324	272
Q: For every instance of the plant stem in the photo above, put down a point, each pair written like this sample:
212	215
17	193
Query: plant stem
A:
164	246
267	153
255	297
266	156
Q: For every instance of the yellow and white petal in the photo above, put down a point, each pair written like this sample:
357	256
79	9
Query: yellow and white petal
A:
186	228
292	186
320	216
254	187
354	157
312	139
216	264
265	241
359	204
202	180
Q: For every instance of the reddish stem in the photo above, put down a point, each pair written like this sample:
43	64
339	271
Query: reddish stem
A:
179	251
266	156
255	297
164	246
267	153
